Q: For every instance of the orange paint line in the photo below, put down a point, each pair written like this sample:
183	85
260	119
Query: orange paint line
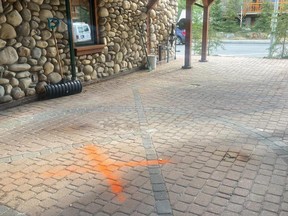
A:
113	180
98	162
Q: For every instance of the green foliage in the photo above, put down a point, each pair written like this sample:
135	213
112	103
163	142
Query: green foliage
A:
279	35
84	14
263	23
223	18
230	14
197	16
280	47
181	6
216	14
215	26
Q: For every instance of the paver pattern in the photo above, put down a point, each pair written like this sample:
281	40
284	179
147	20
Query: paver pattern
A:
211	140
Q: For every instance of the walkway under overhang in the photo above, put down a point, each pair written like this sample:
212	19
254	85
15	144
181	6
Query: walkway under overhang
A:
188	39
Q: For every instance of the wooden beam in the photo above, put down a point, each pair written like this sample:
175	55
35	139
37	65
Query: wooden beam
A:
211	1
191	2
207	2
151	4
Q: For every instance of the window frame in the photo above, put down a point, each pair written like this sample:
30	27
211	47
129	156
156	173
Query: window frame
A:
85	48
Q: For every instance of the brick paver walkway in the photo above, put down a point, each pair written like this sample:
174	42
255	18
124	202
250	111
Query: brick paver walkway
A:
207	141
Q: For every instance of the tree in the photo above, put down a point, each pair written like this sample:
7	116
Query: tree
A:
230	14
216	14
215	26
279	48
197	22
263	23
181	6
84	14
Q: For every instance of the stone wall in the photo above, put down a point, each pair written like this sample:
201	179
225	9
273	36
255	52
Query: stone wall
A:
28	57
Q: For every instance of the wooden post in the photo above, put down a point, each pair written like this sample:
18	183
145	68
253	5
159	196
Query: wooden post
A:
151	4
188	37
205	34
206	4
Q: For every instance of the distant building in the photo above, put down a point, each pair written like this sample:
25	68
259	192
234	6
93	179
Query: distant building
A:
253	8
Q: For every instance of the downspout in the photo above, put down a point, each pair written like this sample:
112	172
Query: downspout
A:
70	39
148	43
150	6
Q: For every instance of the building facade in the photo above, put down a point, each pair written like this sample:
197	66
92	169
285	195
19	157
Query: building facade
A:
106	40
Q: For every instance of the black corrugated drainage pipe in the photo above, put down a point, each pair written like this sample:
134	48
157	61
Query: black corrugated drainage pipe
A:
65	87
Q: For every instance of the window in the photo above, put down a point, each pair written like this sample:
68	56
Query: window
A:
85	26
83	19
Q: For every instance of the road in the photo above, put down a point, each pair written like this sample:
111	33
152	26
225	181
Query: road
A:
243	48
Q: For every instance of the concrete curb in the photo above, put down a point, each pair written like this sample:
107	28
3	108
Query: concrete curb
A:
246	41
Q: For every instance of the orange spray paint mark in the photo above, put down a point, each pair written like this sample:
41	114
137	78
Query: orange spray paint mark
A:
94	155
99	163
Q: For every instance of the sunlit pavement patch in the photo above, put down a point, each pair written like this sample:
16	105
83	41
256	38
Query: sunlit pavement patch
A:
95	157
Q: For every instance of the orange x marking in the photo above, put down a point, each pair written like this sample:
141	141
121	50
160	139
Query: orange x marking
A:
97	160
